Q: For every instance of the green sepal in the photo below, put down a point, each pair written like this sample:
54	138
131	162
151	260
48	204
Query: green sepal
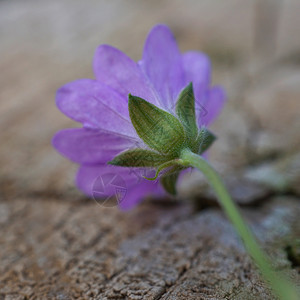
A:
139	158
168	180
159	129
204	140
185	110
163	166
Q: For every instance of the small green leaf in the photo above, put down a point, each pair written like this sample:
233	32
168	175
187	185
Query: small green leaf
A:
204	140
139	158
163	166
169	179
185	110
159	129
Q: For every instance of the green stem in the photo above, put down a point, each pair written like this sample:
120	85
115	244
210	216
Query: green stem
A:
281	287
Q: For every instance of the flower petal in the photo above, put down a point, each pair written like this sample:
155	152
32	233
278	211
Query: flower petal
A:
117	70
197	69
95	105
99	181
162	64
213	105
135	194
83	145
89	176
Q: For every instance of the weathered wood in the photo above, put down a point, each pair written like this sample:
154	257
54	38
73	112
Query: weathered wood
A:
65	251
57	244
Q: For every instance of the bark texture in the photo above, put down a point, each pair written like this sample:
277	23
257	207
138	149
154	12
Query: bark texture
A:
57	244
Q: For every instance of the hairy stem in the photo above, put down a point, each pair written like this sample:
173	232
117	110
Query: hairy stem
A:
280	286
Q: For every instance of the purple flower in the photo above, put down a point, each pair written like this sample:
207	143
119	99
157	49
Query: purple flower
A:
101	105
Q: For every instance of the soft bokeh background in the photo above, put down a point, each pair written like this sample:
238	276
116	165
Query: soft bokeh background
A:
255	51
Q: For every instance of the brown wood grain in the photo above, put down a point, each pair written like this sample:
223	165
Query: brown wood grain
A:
57	244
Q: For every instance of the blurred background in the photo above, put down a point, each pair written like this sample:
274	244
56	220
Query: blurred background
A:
253	45
255	51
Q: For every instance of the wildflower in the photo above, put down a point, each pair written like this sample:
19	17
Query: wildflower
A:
110	127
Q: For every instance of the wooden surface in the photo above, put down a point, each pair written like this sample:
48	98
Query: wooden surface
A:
57	244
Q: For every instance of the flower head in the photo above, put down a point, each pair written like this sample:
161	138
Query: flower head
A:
110	127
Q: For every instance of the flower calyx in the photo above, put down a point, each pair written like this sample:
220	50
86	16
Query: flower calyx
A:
166	135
